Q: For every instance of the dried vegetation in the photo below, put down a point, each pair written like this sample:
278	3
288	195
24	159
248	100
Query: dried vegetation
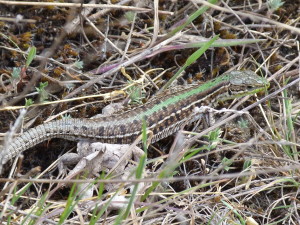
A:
247	172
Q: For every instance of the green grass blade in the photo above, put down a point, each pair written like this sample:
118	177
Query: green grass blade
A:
139	175
291	150
31	55
71	202
194	16
39	209
190	60
94	219
243	222
199	44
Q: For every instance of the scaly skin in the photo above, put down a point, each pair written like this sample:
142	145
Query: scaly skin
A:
164	115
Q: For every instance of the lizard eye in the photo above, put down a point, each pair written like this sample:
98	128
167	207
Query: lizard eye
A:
249	88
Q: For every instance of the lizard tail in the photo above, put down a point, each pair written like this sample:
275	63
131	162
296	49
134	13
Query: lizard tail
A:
34	136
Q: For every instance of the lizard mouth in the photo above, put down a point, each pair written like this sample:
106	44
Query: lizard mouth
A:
249	88
236	92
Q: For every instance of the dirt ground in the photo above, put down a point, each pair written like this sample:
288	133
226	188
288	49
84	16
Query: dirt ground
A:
87	57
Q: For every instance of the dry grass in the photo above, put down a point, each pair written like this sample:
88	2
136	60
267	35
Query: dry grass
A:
247	172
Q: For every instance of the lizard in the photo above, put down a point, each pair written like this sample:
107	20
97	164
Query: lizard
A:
164	115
